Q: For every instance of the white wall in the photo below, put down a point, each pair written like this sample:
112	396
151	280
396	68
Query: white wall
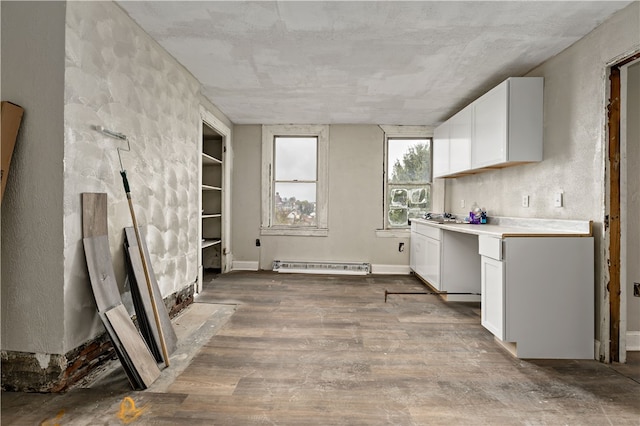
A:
32	222
355	203
574	142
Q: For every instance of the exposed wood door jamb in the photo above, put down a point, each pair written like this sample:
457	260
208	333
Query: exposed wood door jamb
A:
612	222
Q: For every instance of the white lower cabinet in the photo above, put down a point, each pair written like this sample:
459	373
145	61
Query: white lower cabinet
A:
536	290
492	298
417	258
447	261
538	293
431	272
425	253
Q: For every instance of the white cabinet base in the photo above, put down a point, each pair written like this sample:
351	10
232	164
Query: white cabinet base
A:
540	296
536	287
550	303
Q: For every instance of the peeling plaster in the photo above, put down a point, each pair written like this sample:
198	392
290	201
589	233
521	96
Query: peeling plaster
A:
43	360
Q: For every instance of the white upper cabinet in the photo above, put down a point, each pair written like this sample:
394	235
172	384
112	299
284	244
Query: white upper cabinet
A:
441	150
460	136
490	127
501	128
508	124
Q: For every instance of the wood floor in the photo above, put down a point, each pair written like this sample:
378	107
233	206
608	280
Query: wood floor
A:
328	350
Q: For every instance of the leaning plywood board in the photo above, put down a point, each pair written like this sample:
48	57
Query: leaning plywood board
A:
142	304
97	251
11	119
130	371
133	346
94	214
139	282
101	272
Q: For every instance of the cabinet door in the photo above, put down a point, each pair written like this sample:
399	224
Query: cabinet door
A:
490	127
418	254
460	130
493	296
416	251
441	150
432	262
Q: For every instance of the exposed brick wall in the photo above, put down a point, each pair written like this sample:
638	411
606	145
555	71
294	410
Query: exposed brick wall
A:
25	372
179	300
30	372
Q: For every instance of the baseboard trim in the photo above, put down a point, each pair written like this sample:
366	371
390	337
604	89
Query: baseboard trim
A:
633	340
390	269
596	351
245	265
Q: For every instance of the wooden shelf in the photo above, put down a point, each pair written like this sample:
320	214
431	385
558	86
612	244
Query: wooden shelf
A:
208	216
208	160
208	242
212	169
211	188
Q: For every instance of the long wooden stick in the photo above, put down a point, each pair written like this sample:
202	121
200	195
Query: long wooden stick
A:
145	268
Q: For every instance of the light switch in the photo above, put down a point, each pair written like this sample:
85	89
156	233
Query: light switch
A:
557	199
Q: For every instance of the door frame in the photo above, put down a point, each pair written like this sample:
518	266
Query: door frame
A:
210	120
615	219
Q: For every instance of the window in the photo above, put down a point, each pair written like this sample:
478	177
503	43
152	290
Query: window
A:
294	180
407	178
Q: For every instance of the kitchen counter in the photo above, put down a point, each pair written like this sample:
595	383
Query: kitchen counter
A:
502	227
533	277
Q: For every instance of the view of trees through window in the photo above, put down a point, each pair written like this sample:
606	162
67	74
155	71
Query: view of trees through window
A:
295	181
408	180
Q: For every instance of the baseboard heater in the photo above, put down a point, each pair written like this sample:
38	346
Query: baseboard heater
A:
343	268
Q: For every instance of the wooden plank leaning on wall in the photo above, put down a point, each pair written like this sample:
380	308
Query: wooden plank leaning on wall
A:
11	119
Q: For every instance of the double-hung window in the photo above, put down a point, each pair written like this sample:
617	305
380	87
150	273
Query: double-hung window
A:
294	180
407	177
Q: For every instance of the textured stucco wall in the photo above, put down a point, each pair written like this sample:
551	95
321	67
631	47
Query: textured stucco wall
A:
575	91
32	223
633	196
116	76
354	206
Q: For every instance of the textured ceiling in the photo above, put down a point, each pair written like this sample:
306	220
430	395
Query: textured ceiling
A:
374	62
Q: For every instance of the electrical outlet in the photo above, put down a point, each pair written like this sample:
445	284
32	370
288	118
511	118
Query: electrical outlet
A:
461	204
557	199
257	242
636	289
525	201
400	247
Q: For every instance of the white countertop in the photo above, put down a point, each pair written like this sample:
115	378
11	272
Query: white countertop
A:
518	227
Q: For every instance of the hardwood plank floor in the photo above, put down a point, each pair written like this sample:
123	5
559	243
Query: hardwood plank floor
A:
328	350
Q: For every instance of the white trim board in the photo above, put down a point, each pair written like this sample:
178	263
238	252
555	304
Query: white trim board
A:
633	340
390	269
245	265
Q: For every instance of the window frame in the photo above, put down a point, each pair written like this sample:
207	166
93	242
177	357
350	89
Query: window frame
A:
269	133
401	132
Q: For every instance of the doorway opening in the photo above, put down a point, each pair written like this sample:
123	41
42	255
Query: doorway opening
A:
622	198
214	254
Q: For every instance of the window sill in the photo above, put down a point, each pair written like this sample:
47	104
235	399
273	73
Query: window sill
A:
303	232
393	233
